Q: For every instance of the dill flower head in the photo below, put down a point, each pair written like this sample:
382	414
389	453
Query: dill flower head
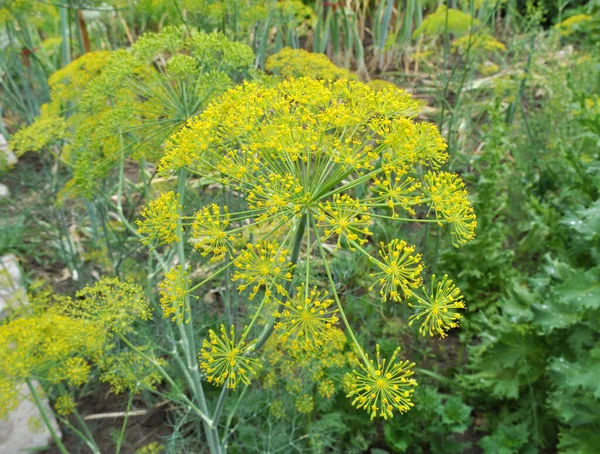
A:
447	197
300	369
224	360
263	264
305	403
380	388
46	130
277	409
65	405
573	24
307	318
128	371
438	307
9	396
345	217
326	388
111	304
109	106
77	371
380	84
161	219
290	62
397	190
430	146
276	196
301	162
209	232
45	346
173	291
400	270
453	20
479	42
68	84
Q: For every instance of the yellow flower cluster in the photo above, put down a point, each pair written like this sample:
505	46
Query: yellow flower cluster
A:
305	403
69	83
161	220
173	291
307	319
108	106
151	448
444	18
397	190
409	144
380	84
439	307
43	132
380	388
478	42
263	265
47	345
345	217
573	24
58	340
308	161
110	304
400	270
276	196
209	232
77	371
299	63
129	371
65	405
306	372
448	198
225	361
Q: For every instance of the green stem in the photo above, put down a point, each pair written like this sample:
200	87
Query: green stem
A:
211	277
86	429
125	419
337	299
186	330
88	438
232	413
42	410
268	330
164	373
77	432
64	33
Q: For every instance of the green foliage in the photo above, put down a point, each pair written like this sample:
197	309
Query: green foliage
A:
108	106
536	353
434	426
506	439
446	19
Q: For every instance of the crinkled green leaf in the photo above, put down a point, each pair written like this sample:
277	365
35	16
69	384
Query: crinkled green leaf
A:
582	290
505	439
456	415
585	221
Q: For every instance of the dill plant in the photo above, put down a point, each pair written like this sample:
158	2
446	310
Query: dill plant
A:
300	169
107	106
300	63
65	343
303	163
110	111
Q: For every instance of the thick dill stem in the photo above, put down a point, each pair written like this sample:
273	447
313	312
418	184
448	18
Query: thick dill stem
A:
38	403
186	330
